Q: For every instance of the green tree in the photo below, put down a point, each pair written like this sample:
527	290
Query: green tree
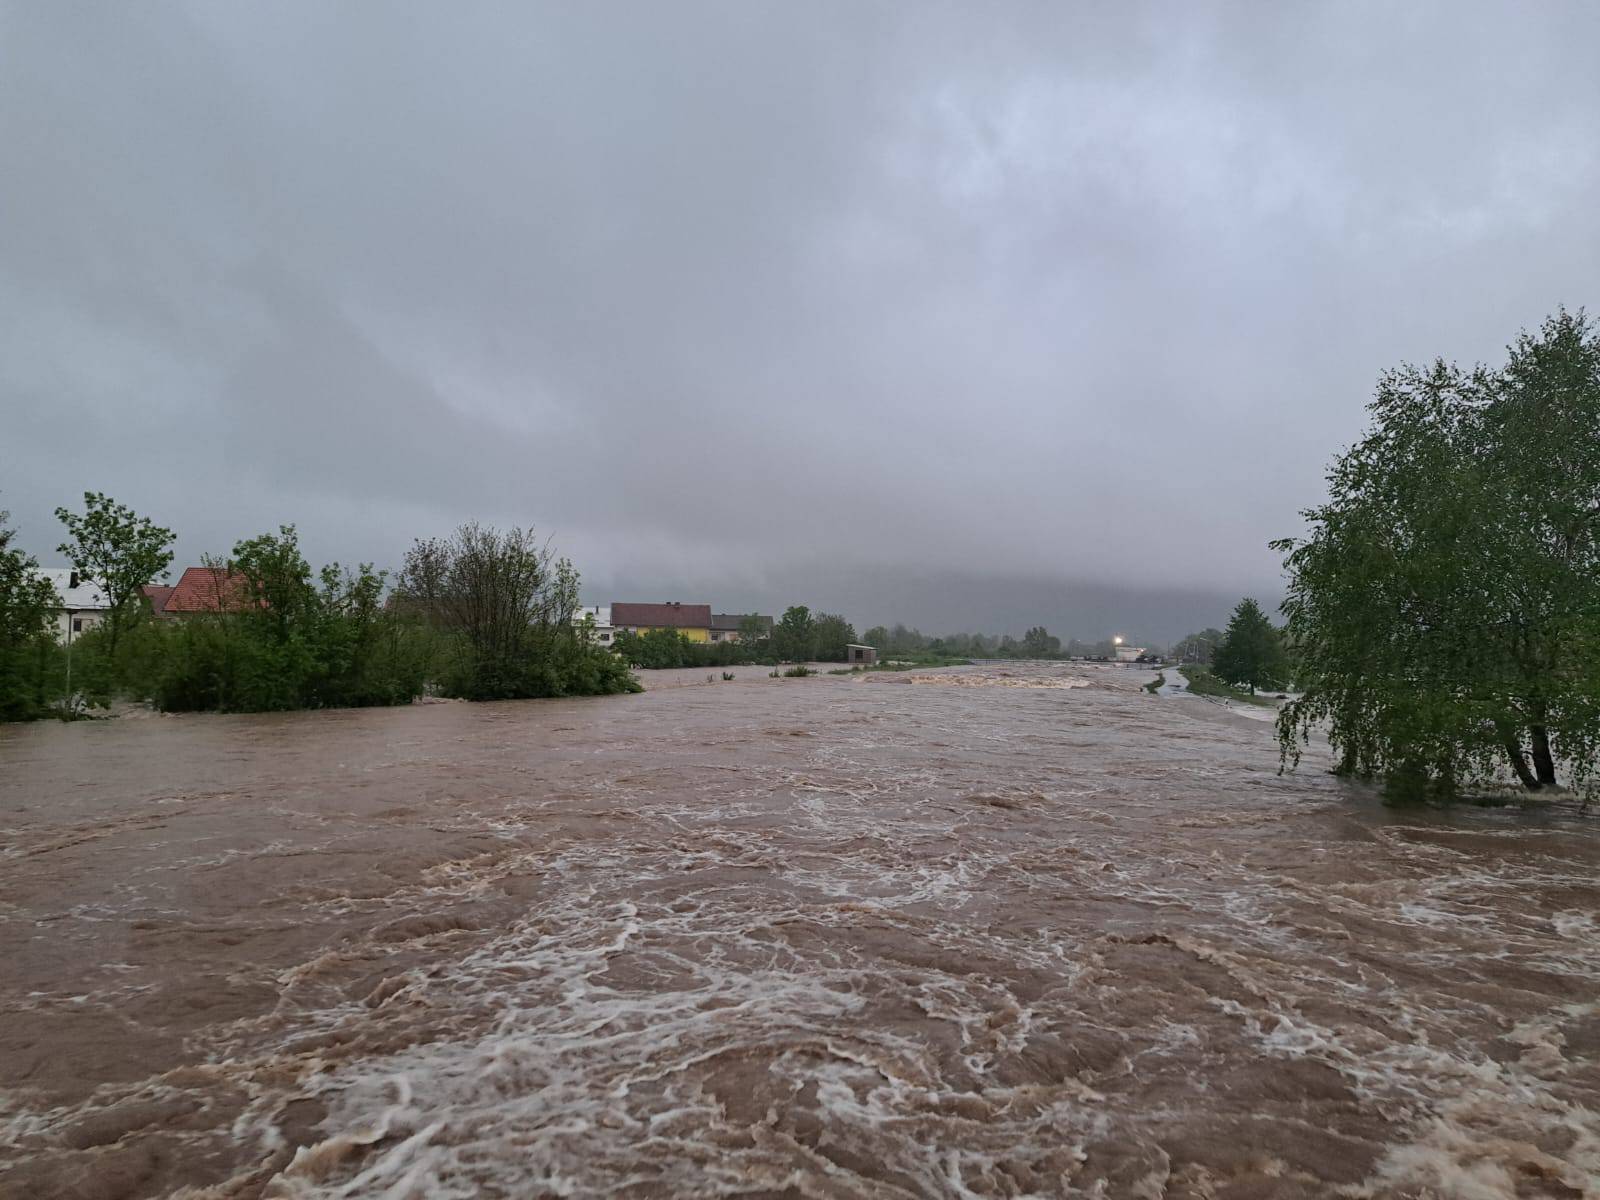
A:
877	637
1445	605
1039	643
118	551
274	579
283	639
1198	647
1251	653
755	636
794	638
655	649
906	641
27	602
504	603
831	633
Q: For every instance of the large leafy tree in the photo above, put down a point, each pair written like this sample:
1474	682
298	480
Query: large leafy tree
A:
831	635
754	632
1251	652
505	602
118	551
26	603
1445	605
1039	642
795	637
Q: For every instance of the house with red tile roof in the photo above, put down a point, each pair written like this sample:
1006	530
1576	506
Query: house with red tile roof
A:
202	590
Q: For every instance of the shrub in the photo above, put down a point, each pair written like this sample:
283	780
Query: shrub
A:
503	605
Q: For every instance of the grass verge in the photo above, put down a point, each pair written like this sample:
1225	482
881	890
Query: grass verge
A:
1203	683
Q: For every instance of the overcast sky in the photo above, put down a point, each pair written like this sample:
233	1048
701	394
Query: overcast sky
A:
967	315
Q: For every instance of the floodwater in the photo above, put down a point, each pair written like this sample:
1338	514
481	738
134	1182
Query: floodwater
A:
1023	931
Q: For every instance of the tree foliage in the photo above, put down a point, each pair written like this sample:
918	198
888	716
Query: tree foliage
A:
755	632
1445	605
794	638
831	634
1251	651
903	643
1038	642
27	602
284	638
1199	647
666	648
505	604
118	551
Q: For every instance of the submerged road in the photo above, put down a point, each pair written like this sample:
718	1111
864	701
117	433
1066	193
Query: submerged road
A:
1004	931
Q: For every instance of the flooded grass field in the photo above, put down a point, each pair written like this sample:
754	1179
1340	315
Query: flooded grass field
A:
990	932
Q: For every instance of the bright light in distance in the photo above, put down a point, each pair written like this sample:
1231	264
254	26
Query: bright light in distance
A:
1116	641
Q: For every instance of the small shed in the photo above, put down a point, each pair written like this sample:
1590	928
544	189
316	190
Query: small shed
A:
860	654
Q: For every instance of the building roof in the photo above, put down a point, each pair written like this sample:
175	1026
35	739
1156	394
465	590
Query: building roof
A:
657	616
206	589
157	594
73	594
732	621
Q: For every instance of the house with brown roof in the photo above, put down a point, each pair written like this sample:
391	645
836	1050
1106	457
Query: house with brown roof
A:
727	627
691	620
157	594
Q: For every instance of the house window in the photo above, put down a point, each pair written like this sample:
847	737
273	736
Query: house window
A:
77	624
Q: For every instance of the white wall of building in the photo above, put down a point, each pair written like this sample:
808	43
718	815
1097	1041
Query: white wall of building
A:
604	632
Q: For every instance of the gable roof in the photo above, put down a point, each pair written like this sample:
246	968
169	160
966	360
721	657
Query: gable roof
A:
75	597
157	594
731	622
206	589
657	616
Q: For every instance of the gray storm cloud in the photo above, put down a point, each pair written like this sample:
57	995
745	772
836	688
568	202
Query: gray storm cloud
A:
952	314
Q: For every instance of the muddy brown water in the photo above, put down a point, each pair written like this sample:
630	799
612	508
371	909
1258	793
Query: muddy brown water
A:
977	933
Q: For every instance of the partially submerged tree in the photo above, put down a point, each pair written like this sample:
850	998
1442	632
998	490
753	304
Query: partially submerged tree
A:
27	602
281	638
1039	642
1445	606
507	603
795	635
1251	652
755	635
118	551
831	635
